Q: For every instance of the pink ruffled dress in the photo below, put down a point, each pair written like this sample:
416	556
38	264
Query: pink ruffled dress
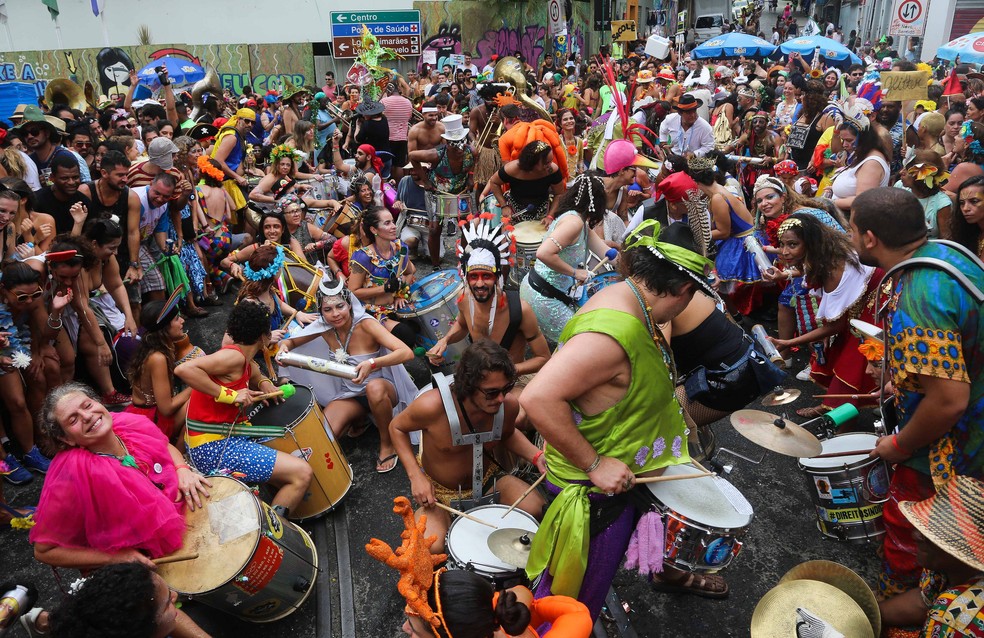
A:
91	501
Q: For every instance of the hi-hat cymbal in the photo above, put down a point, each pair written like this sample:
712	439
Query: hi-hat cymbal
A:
844	579
775	433
512	545
781	398
776	615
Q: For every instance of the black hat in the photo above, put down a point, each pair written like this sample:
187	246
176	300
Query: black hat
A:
202	131
369	107
688	103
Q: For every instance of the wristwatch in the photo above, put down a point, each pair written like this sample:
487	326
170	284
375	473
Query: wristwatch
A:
134	264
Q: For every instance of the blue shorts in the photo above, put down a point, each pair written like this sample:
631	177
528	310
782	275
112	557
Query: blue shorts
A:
239	454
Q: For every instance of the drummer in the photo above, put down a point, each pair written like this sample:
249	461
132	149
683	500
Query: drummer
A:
488	311
217	431
453	462
451	165
382	387
281	179
116	490
532	180
424	136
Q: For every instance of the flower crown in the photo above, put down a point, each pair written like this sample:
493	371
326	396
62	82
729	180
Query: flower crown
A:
269	272
281	151
206	167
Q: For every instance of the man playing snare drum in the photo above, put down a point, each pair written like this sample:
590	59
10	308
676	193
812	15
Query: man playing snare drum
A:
488	311
462	422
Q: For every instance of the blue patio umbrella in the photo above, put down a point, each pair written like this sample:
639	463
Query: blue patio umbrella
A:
969	47
734	45
182	72
831	51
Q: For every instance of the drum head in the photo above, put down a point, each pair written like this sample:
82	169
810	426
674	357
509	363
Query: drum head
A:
842	443
530	232
432	290
703	499
224	532
467	540
286	414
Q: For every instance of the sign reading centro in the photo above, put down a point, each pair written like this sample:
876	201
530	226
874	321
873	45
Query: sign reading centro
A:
624	31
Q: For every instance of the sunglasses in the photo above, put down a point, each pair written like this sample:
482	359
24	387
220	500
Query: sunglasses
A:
124	126
495	392
248	121
22	298
32	132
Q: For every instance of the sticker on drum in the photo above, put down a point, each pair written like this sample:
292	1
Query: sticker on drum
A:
431	291
599	282
718	551
467	541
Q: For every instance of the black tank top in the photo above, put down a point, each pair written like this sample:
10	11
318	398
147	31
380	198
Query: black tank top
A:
716	341
120	209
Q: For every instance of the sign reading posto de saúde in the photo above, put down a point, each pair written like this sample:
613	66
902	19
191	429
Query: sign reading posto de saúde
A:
397	30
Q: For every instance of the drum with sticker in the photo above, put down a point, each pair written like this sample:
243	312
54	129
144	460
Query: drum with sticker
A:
309	437
434	307
848	491
705	519
251	563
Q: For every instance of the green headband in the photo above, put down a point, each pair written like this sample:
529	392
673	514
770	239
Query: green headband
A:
647	234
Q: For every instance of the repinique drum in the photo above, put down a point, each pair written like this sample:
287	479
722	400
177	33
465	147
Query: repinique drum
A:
434	306
341	223
316	190
299	281
309	437
468	547
528	235
705	519
848	491
597	283
251	563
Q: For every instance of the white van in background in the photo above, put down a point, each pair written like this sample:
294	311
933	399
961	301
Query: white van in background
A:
709	25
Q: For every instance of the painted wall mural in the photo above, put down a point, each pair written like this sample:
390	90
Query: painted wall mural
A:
453	26
264	66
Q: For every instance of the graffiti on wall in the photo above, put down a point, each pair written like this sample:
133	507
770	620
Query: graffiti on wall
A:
452	27
263	66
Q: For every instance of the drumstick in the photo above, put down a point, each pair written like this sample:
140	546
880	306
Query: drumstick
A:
833	455
286	391
677	477
176	558
610	256
525	494
854	397
451	510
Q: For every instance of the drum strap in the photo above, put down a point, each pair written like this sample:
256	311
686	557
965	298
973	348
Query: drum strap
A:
476	439
515	318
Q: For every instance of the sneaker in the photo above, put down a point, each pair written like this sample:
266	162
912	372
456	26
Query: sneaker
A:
14	472
29	622
36	461
804	374
115	399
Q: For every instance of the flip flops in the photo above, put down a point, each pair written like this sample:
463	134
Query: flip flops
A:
386	460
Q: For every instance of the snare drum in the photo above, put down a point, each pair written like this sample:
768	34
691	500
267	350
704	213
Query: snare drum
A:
528	235
309	437
490	205
705	518
848	491
434	306
468	546
251	562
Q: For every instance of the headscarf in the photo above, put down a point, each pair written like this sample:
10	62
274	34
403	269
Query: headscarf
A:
677	187
690	263
767	181
377	164
786	167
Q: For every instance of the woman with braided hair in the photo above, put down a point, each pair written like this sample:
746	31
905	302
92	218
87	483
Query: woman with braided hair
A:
562	257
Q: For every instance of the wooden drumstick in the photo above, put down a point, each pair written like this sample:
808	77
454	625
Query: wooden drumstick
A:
451	510
834	455
853	397
176	558
677	477
524	495
286	391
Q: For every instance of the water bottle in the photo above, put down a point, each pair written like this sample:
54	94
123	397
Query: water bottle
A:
753	246
769	348
17	257
12	604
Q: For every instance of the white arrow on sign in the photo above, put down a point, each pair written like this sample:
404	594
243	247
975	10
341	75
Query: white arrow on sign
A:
343	47
342	18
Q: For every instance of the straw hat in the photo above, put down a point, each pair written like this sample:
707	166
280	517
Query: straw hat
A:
952	519
666	73
843	579
777	613
645	76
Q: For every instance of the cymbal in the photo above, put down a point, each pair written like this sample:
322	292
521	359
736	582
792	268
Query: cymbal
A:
843	579
776	615
775	433
512	545
780	398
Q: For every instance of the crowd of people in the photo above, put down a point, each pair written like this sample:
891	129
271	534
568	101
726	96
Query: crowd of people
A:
717	192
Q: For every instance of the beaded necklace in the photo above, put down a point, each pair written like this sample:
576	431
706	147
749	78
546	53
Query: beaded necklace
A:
654	331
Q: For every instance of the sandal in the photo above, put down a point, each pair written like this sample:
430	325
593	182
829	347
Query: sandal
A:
356	431
814	412
17	517
703	585
392	457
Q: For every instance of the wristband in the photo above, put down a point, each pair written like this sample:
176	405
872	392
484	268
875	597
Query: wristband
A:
134	264
226	395
594	466
536	457
895	444
182	467
372	363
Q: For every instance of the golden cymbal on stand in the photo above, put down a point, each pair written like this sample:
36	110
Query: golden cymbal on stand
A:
775	433
511	545
782	397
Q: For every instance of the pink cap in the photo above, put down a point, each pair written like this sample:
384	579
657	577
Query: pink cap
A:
622	154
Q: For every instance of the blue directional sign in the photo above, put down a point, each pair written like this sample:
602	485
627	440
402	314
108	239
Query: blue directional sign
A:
377	29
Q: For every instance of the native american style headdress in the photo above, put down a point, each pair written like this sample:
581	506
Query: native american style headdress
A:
488	248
